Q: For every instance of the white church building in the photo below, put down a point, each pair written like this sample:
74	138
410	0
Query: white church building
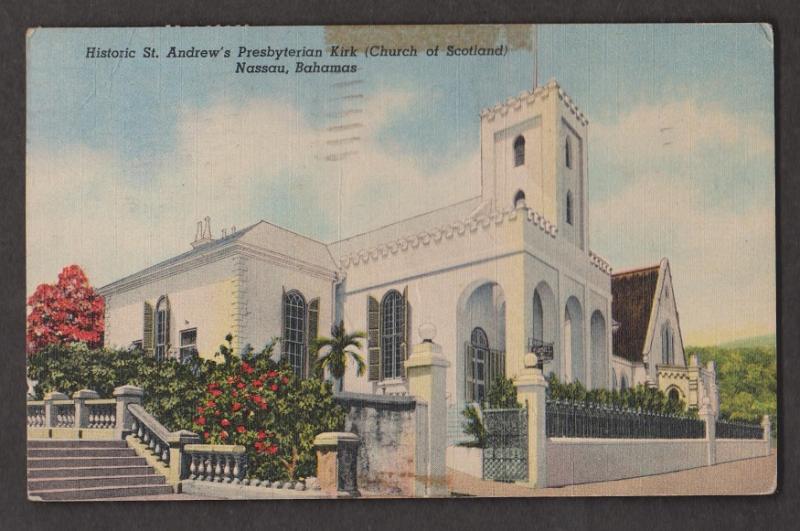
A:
496	275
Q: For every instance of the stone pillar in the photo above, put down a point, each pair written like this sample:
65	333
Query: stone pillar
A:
707	415
532	393
337	463
767	426
49	412
178	462
426	371
126	394
81	411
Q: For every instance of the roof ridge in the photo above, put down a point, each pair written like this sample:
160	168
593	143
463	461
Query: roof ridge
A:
636	270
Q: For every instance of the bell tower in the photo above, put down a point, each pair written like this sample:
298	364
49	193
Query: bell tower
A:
534	152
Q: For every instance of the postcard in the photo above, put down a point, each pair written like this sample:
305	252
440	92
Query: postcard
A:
400	261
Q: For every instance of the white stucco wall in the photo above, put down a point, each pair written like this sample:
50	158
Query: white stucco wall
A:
263	287
201	297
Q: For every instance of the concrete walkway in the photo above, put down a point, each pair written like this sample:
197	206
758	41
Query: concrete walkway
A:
749	476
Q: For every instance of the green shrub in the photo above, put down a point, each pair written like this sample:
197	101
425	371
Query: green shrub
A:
640	397
171	389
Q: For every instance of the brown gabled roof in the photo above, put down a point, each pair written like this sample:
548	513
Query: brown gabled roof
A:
633	293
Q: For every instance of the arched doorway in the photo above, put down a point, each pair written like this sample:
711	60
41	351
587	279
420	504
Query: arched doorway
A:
544	324
481	338
599	359
572	341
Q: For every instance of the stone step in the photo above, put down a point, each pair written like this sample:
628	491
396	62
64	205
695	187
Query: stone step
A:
57	483
70	462
89	471
56	443
83	451
100	492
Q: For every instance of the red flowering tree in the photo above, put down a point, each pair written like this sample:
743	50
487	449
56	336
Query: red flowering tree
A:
69	311
261	405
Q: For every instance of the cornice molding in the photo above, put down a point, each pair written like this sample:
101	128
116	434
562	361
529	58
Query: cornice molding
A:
235	248
449	231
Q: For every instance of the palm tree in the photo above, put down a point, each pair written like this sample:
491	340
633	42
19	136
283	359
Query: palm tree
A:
337	348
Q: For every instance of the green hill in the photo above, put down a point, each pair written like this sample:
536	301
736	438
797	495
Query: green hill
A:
765	341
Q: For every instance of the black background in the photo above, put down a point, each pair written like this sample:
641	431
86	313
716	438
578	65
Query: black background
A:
777	511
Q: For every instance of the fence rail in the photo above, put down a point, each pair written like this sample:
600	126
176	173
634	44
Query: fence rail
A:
576	419
726	429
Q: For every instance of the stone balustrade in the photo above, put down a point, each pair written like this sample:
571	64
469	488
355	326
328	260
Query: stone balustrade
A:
36	414
221	463
58	416
150	432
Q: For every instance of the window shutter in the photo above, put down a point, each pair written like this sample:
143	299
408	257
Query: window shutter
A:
404	346
167	313
373	338
313	332
148	332
469	373
283	325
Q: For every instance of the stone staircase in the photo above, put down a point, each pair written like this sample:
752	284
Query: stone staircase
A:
61	470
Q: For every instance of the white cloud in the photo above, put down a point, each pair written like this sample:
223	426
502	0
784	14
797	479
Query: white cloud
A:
679	191
680	128
238	163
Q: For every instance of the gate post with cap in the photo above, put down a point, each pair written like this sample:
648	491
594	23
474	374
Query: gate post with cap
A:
532	393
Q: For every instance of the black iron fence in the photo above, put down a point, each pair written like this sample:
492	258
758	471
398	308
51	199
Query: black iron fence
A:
577	419
727	429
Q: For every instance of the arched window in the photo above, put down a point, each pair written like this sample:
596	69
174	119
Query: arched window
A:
294	331
162	328
674	395
519	199
569	207
613	380
519	151
667	346
623	383
538	317
392	334
567	153
480	355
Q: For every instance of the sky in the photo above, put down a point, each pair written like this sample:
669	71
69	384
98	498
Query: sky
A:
125	156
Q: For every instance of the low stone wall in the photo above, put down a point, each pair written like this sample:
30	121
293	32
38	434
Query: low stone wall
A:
466	460
390	429
736	449
573	461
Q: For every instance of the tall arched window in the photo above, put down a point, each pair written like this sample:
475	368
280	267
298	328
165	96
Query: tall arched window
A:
480	355
569	207
538	317
667	346
519	151
613	380
294	331
393	330
162	328
567	153
623	383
